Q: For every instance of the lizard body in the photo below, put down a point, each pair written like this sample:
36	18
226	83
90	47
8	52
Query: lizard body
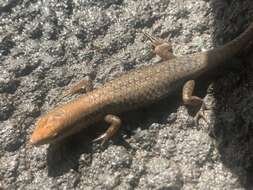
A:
134	89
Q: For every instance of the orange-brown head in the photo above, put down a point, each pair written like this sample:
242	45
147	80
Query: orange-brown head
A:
48	128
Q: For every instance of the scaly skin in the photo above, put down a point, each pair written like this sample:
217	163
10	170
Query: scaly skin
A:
134	89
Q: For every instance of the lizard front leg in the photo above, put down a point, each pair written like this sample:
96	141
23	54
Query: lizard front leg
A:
161	48
115	123
82	86
189	99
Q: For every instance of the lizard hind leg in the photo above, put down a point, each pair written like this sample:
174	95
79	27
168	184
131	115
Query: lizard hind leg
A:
160	47
115	123
189	99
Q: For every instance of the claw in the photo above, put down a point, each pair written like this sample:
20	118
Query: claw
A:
160	47
200	114
104	137
115	123
82	86
154	41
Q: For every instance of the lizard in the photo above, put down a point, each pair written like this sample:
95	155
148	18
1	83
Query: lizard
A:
136	88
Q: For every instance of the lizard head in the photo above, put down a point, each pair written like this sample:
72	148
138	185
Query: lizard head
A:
47	129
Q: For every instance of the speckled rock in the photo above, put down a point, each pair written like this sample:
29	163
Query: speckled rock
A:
45	46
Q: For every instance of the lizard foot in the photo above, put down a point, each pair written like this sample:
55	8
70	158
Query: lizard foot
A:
82	86
189	99
115	124
200	114
160	47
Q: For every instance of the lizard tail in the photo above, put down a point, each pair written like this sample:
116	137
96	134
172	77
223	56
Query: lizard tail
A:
232	48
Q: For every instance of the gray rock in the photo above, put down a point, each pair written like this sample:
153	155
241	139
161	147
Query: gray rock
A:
45	46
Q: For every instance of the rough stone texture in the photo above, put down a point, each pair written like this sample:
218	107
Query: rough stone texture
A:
45	46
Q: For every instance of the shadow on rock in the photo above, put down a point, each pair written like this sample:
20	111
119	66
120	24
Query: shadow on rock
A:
64	156
233	125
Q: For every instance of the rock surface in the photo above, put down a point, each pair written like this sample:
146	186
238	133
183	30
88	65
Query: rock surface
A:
45	46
